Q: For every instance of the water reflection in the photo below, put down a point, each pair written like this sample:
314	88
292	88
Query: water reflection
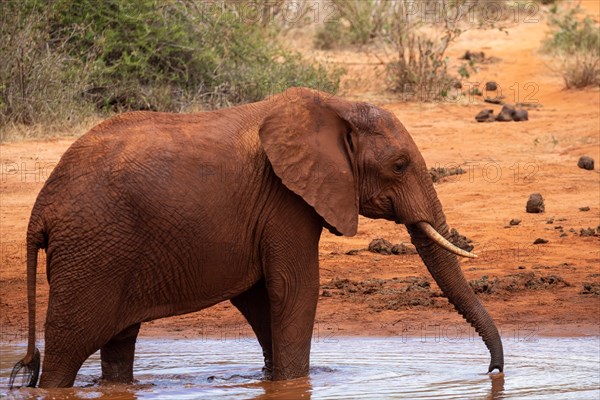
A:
497	390
550	368
294	389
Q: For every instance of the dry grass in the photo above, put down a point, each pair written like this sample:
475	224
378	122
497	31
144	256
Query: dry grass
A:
581	70
39	85
574	39
15	132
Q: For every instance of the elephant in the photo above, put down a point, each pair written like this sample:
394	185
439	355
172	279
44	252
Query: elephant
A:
151	215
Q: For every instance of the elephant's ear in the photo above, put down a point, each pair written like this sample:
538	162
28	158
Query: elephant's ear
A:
305	139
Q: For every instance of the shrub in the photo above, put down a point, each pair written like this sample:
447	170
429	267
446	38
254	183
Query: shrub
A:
570	33
330	35
420	32
421	65
37	83
576	41
119	55
204	51
581	71
355	22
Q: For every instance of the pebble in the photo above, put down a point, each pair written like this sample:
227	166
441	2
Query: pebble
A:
535	204
491	86
586	162
521	115
485	116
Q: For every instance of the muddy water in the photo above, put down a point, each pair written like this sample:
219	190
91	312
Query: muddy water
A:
342	368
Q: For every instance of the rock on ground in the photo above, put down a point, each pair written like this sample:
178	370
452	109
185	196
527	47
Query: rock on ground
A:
521	115
586	162
535	204
491	86
486	115
506	114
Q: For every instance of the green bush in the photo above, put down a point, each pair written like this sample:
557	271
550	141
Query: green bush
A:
570	33
331	35
575	40
121	55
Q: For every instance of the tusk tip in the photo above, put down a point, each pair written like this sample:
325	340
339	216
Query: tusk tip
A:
442	241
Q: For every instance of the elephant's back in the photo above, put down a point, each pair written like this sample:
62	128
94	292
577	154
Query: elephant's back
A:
136	146
102	157
143	171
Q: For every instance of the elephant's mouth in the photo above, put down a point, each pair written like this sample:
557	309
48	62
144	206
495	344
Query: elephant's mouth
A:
441	241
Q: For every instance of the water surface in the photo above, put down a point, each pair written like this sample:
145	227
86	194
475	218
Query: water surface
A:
342	368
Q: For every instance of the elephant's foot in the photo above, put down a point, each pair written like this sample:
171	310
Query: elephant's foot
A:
117	372
267	370
267	374
57	379
64	354
61	365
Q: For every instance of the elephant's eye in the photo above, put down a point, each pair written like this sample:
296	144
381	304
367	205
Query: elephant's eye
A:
399	167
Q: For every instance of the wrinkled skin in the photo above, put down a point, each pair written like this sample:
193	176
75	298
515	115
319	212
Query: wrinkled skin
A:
151	215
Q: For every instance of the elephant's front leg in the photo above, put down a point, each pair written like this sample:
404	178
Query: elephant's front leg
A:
292	279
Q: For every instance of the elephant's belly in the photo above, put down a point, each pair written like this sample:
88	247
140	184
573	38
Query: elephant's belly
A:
183	289
158	282
152	259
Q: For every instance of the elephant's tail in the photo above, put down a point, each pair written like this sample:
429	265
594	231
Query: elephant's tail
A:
30	364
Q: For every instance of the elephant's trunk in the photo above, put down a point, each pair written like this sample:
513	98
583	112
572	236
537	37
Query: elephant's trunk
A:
446	271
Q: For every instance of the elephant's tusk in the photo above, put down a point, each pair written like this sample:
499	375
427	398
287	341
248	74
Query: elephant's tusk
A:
442	241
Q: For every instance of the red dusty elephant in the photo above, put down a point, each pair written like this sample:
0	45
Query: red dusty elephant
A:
151	215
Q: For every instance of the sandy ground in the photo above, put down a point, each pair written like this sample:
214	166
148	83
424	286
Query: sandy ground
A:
533	289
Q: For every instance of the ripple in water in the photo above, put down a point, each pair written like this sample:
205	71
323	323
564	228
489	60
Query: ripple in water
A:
342	368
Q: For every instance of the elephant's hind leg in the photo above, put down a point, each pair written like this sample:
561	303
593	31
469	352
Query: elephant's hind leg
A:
62	358
254	305
117	356
67	345
75	329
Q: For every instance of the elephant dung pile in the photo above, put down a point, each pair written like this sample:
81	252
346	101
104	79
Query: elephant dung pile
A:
438	173
591	288
415	291
461	241
588	232
387	294
506	114
516	282
382	246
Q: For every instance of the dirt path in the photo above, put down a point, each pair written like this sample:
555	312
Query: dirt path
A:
530	289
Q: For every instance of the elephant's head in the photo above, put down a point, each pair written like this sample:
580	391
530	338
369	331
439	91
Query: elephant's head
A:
345	158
